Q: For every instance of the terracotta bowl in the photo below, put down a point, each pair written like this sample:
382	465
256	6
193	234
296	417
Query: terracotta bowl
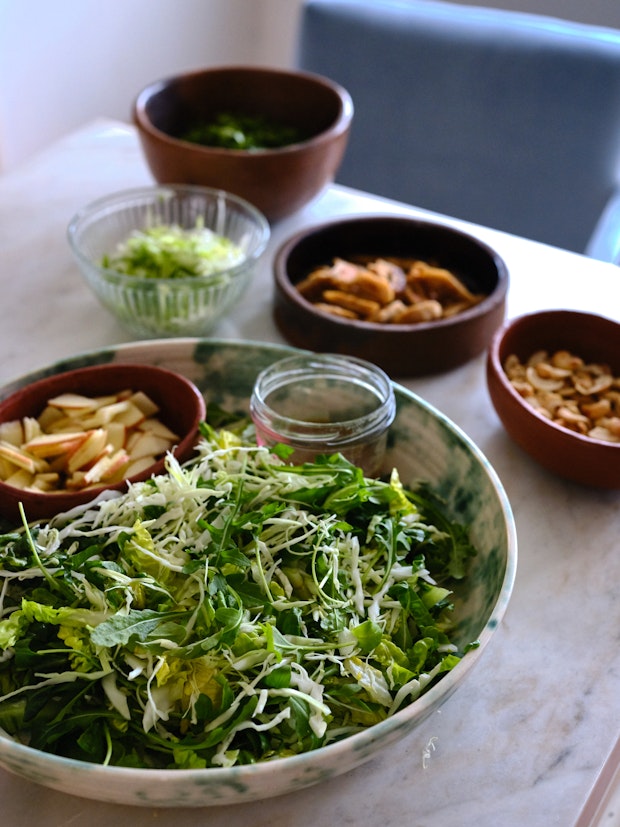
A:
562	451
181	408
402	350
277	181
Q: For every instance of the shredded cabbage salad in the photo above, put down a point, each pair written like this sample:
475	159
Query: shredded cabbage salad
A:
171	252
233	610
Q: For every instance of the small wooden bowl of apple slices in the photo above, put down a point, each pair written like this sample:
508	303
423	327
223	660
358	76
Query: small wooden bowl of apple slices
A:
66	438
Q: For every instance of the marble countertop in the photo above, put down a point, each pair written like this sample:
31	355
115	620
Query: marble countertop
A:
526	737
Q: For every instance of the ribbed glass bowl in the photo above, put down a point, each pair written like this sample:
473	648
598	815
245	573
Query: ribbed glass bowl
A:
167	307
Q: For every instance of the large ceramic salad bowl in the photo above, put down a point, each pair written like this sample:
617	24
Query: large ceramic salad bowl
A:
425	447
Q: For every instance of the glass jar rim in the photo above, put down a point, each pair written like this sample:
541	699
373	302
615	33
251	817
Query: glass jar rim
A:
349	370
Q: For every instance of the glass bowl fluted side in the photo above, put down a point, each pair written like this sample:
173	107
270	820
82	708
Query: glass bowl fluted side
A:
167	307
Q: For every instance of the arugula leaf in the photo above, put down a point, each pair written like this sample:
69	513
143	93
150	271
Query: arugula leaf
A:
137	624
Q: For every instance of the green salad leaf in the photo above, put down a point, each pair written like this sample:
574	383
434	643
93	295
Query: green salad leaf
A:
232	610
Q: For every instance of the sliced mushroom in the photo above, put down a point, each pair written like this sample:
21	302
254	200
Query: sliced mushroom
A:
438	283
391	272
371	286
390	312
357	304
335	310
425	311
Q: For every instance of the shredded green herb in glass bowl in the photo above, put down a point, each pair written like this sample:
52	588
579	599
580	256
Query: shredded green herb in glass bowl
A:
172	252
233	610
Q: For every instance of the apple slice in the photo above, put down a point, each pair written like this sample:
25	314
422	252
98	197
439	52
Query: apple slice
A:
105	467
156	426
131	417
18	457
6	468
48	416
88	451
137	466
104	415
148	444
20	479
109	399
45	481
73	403
63	424
52	445
117	435
144	402
117	468
12	432
80	441
75	482
31	428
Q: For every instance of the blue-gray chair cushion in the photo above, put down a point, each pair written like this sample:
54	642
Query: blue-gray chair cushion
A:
506	119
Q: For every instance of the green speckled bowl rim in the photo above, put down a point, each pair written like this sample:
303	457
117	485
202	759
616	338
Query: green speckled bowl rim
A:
231	369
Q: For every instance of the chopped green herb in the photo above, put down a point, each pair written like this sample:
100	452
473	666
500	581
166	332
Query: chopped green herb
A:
228	130
233	610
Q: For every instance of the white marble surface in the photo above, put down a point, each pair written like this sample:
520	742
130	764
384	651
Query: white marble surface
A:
524	740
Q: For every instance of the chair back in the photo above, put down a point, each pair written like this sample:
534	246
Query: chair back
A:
506	119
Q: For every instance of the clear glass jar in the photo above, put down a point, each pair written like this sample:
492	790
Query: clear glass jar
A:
325	404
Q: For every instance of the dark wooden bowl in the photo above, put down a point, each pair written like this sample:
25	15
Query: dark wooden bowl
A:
277	181
402	350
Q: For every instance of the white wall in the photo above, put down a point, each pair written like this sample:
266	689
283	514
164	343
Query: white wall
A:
64	62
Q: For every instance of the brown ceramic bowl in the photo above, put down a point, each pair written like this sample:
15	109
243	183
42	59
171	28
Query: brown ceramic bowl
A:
564	452
277	181
402	350
181	405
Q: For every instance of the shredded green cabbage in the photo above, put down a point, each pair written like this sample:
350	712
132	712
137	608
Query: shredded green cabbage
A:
171	252
232	610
